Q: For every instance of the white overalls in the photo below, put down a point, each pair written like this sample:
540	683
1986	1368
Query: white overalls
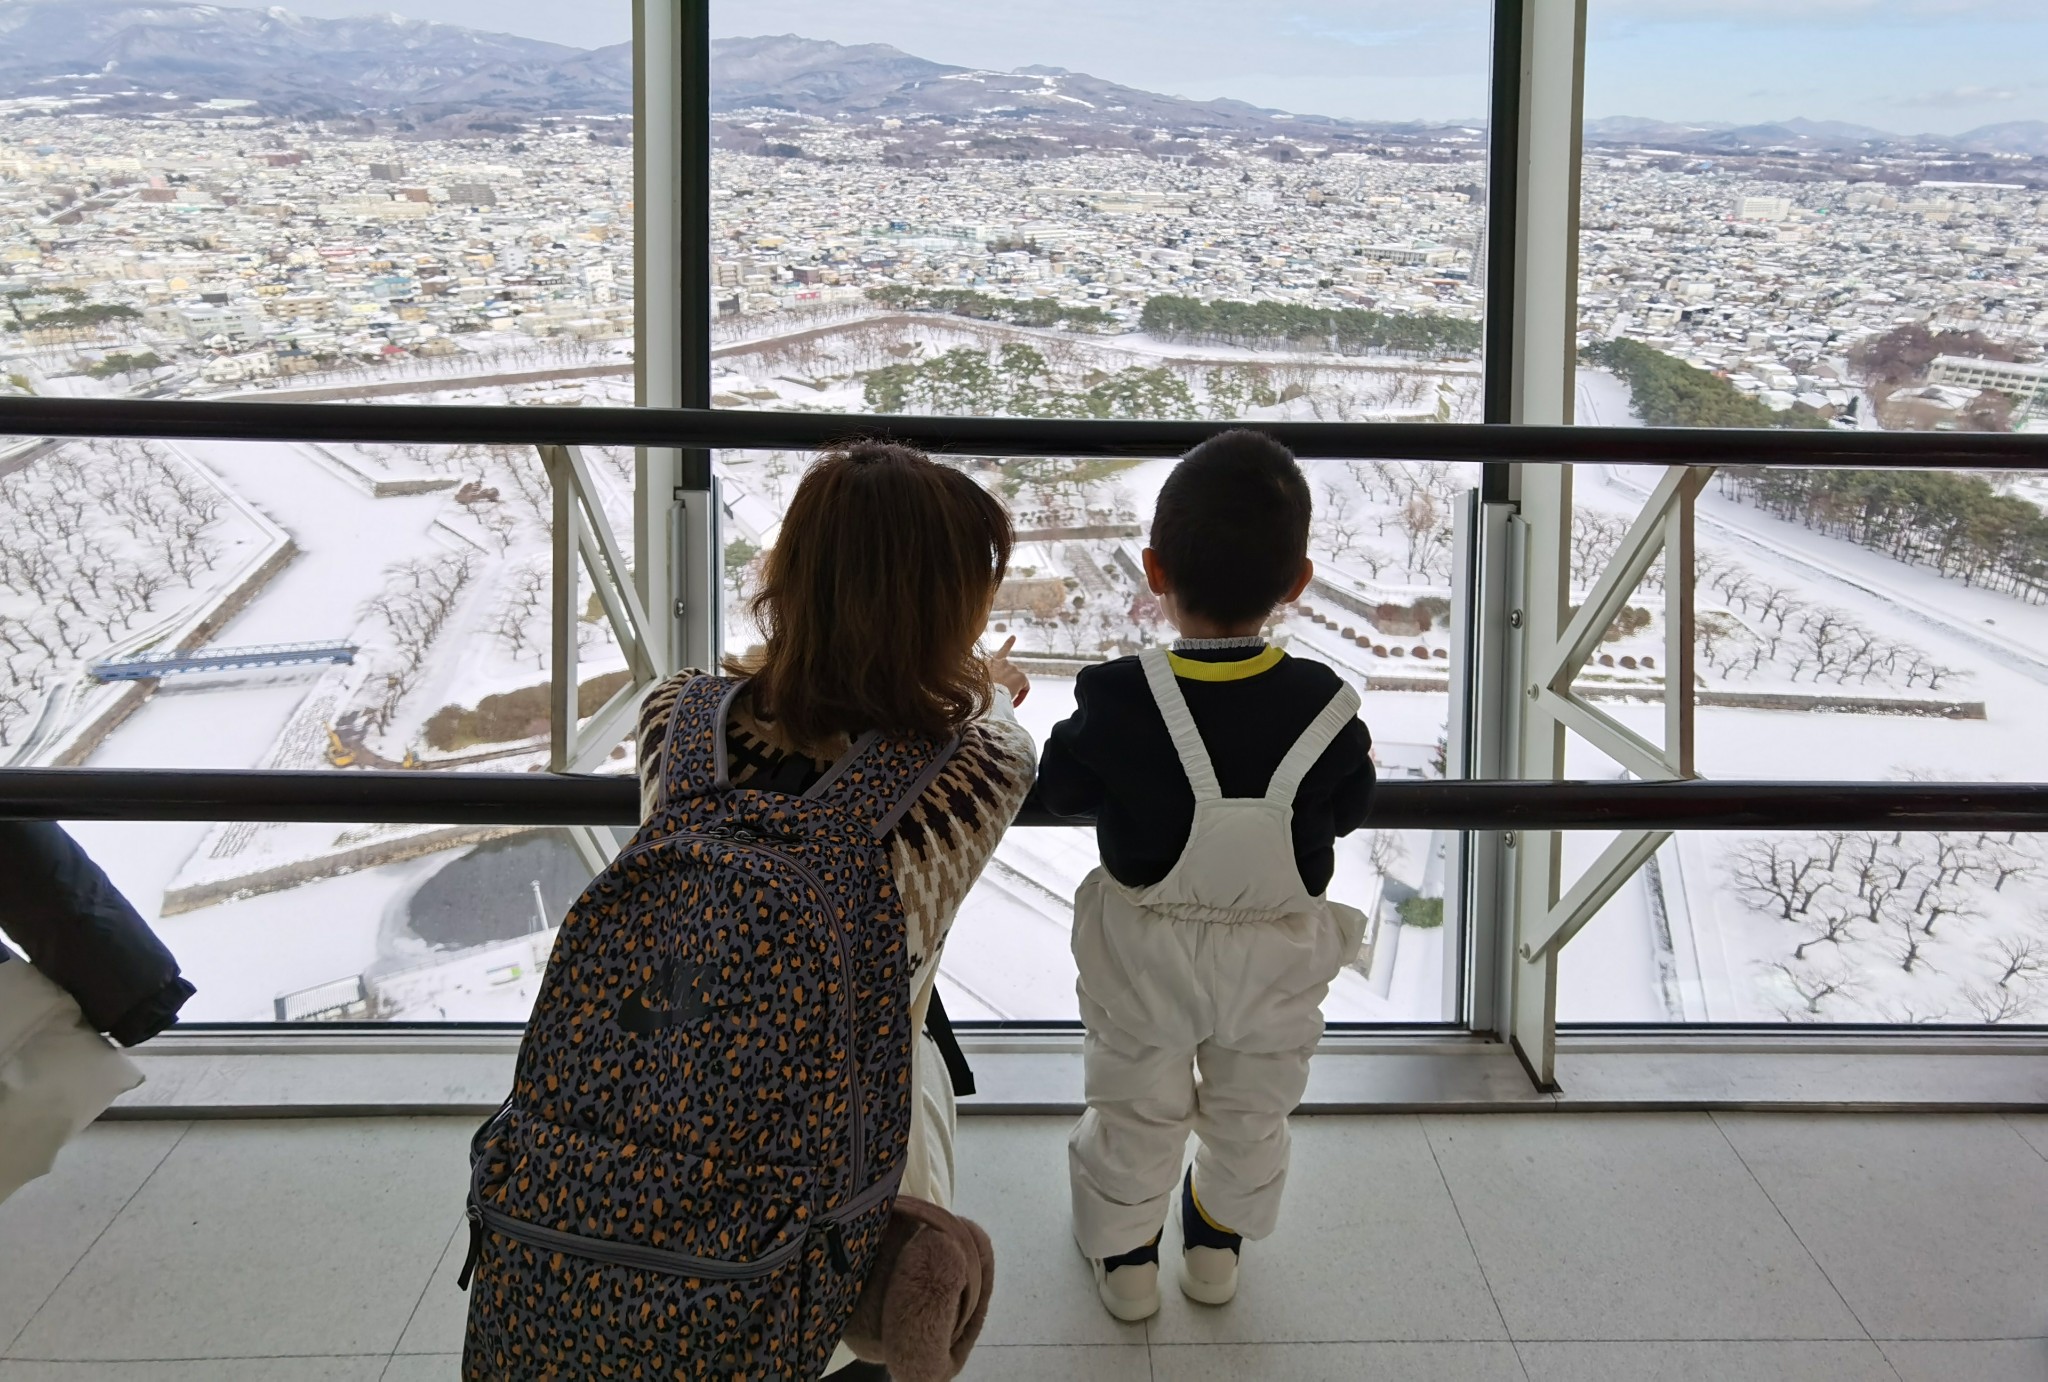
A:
1221	965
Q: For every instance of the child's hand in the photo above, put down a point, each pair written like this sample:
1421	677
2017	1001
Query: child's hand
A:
1003	672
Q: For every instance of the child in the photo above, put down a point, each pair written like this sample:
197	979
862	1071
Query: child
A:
1220	775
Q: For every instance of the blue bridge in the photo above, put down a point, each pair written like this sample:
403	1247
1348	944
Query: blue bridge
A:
143	666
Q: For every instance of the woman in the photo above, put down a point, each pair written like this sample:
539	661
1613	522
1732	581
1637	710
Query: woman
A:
871	602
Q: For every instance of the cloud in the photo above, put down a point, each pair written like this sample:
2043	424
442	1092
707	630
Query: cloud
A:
1956	97
1368	35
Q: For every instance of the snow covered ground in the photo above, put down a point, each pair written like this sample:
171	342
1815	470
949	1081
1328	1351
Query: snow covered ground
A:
1698	939
1913	928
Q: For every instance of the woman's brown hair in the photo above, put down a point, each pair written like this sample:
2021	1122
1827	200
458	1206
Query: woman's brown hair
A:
873	597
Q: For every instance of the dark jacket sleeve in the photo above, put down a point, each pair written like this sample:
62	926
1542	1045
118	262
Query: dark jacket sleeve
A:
1351	803
75	927
1067	784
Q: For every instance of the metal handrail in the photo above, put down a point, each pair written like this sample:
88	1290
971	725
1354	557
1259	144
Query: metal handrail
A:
539	799
574	799
729	429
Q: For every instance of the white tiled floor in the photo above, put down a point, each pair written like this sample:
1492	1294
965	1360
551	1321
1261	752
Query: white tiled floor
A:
1481	1248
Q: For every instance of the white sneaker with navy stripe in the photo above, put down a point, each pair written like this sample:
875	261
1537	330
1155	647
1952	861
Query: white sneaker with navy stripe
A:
1208	1252
1128	1283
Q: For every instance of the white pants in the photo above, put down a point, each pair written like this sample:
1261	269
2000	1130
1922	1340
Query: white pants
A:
1163	999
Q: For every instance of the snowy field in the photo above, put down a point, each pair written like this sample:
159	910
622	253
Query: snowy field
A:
1820	928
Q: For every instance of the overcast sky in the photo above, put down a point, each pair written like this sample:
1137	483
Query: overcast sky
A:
1907	65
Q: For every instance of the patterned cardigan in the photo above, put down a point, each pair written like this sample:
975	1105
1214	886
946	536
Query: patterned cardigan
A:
942	843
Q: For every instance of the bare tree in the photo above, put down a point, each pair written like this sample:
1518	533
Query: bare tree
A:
1908	1013
1817	986
2023	958
1419	522
1336	521
1825	925
1386	852
1596	537
1909	939
2005	858
1774	874
1999	1004
1774	603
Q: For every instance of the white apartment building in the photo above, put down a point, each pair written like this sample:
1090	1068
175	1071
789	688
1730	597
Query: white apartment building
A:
1962	371
1763	209
1432	255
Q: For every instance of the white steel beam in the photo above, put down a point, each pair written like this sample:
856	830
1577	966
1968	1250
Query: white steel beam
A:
1546	506
659	264
1633	752
1599	883
1624	573
562	671
1546	350
1544	374
1681	578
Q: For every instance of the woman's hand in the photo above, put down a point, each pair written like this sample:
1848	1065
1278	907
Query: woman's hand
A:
1003	672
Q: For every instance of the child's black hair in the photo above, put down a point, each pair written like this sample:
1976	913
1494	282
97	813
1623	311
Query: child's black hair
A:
1231	526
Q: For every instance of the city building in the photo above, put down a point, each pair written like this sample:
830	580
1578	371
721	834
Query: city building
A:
2001	376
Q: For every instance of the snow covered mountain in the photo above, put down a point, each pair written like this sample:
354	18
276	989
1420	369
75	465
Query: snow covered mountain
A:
813	77
2010	137
125	56
119	55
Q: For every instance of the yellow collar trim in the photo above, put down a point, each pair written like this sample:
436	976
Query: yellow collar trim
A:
1196	670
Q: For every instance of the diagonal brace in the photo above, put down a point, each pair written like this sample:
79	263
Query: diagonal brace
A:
1600	882
1560	665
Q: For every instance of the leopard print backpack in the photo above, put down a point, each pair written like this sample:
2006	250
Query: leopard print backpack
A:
711	1108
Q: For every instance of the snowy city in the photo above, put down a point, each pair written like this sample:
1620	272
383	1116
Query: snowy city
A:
374	607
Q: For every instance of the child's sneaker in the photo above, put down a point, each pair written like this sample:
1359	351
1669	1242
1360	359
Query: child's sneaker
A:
1209	1252
1129	1282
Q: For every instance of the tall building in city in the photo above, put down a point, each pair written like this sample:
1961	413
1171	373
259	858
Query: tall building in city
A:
1764	209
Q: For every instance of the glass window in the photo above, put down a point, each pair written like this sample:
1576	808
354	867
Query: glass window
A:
1821	217
1086	212
214	225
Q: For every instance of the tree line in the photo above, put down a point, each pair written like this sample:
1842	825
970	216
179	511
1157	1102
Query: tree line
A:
78	318
1340	330
1667	392
1957	524
1015	381
965	302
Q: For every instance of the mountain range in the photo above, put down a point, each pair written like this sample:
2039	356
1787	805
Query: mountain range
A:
120	56
2010	137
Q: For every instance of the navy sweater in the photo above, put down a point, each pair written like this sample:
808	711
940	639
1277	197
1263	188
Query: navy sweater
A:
1114	759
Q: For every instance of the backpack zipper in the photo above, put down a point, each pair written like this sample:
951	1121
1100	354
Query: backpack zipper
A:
663	1259
620	1254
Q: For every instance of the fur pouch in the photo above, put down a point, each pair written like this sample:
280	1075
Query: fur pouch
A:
924	1302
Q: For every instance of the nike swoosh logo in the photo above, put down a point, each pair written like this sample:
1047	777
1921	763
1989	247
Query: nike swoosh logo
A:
641	1018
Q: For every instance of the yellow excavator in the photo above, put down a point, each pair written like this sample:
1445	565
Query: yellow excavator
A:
339	755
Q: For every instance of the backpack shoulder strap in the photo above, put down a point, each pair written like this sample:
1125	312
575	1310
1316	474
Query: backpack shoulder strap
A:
879	779
693	755
1180	723
1324	728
